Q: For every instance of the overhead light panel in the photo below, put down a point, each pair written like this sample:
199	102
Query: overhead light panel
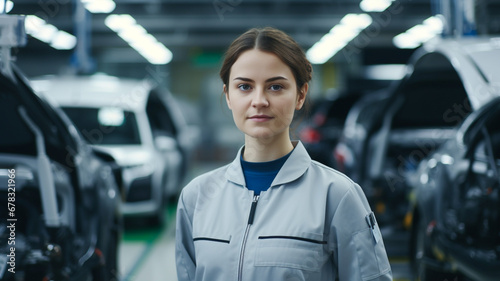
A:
41	30
420	33
375	5
338	37
63	41
6	6
99	6
385	71
357	22
138	38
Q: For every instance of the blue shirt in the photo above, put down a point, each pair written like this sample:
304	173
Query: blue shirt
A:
260	175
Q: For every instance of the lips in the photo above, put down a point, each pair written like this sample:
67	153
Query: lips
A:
260	118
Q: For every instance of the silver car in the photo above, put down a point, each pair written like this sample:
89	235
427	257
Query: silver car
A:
137	124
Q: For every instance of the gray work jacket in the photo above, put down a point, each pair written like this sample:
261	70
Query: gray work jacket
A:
313	223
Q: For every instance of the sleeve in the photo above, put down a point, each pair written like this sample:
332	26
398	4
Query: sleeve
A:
184	246
360	252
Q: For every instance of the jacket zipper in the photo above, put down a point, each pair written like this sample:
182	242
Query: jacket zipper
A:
245	237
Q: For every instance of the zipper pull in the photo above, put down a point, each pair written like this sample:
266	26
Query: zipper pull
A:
252	209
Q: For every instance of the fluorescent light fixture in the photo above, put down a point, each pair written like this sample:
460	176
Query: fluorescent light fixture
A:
99	6
157	54
117	22
420	33
132	32
375	5
62	40
405	41
338	37
434	24
138	38
6	6
48	33
342	33
385	71
356	21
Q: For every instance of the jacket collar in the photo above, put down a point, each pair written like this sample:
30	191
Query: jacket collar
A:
295	166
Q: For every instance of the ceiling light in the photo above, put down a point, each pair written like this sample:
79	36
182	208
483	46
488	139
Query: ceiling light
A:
132	33
385	71
63	41
138	38
99	6
6	6
117	22
41	30
338	37
343	33
157	54
356	21
375	5
420	33
405	41
435	24
46	32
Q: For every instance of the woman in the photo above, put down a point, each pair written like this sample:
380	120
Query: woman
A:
273	213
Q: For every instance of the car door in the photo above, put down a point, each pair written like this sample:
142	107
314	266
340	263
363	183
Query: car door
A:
165	139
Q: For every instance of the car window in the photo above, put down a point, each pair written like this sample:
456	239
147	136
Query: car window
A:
432	105
16	136
105	126
19	139
159	117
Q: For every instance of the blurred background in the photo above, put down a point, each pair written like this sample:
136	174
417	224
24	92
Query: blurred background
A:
394	81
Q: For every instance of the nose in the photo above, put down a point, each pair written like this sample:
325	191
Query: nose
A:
260	99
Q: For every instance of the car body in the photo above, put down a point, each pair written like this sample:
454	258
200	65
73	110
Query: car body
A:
137	124
446	80
321	131
60	217
456	203
349	149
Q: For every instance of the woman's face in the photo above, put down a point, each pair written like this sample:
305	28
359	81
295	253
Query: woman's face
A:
262	95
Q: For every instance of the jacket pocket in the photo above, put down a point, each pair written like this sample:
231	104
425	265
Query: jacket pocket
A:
304	252
211	251
211	239
372	257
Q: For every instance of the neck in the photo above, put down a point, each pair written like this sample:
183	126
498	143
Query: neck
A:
263	150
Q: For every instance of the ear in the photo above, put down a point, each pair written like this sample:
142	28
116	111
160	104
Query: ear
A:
224	88
301	97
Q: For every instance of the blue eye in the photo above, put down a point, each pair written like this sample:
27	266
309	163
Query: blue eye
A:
276	87
244	87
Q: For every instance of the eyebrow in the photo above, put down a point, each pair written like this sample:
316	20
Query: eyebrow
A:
268	80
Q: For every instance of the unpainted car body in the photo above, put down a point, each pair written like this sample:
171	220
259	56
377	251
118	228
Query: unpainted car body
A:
446	80
134	122
60	215
456	203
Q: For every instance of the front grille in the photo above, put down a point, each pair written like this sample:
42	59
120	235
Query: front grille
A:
140	190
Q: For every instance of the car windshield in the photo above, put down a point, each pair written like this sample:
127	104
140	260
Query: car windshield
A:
105	126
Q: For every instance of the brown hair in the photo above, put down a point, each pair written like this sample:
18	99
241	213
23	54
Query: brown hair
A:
274	41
